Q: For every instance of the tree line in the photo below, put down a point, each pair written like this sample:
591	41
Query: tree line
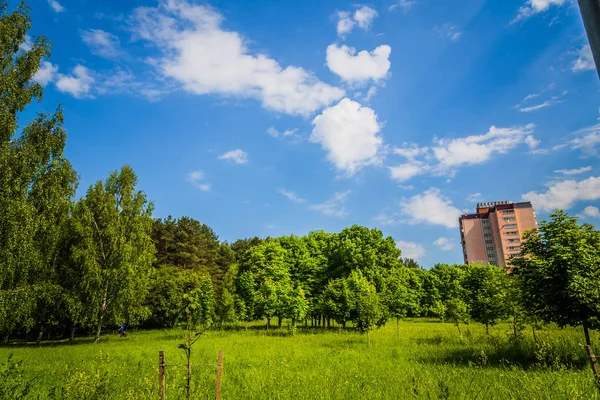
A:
69	265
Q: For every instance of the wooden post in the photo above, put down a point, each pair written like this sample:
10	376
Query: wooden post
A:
591	354
219	374
161	375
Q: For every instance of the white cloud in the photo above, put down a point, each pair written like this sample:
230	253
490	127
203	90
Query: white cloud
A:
446	155
444	244
405	5
474	198
404	172
333	207
573	171
275	133
386	219
238	156
533	7
359	67
55	5
196	178
46	73
531	96
585	61
410	249
430	207
535	107
345	23
532	142
348	132
477	149
206	59
590	212
27	43
102	43
291	195
448	31
370	93
587	140
364	17
78	84
562	195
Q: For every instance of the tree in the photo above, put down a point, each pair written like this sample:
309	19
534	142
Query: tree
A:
455	310
486	291
295	306
368	311
264	280
338	301
367	250
558	270
399	297
37	184
113	251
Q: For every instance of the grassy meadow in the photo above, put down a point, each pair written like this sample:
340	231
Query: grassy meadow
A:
430	360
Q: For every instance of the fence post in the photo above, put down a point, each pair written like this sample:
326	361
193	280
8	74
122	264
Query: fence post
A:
161	375
219	374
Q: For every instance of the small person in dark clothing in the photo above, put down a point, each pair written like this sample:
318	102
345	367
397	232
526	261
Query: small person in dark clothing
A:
122	330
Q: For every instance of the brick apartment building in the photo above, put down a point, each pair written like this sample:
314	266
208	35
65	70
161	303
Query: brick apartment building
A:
494	233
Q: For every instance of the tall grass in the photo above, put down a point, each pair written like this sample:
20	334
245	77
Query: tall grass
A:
429	361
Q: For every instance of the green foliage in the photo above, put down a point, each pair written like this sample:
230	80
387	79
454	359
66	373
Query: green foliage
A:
368	312
112	251
558	272
13	383
37	184
486	293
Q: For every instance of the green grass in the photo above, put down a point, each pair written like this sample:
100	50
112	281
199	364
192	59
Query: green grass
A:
429	361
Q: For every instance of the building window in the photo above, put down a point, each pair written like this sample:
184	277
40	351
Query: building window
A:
510	226
508	211
512	233
510	219
513	240
514	248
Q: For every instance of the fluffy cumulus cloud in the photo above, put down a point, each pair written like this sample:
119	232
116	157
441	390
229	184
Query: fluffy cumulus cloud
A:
406	171
563	195
46	73
291	195
196	178
102	43
333	207
590	212
444	244
477	149
585	60
362	17
446	155
348	132
238	156
575	171
204	58
532	7
351	66
78	84
410	249
56	6
430	207
448	31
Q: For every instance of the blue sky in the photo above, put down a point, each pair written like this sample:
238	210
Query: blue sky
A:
272	118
